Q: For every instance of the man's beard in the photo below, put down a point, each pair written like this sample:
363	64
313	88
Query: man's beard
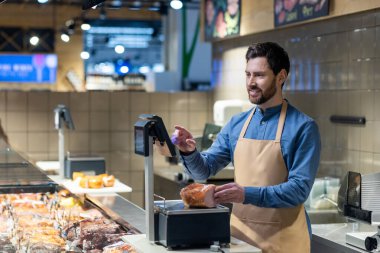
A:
265	96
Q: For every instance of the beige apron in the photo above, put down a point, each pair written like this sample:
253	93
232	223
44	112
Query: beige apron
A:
260	163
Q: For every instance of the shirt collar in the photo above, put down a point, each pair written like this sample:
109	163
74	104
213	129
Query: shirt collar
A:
269	112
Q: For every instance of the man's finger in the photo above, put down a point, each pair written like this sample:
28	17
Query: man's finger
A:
224	187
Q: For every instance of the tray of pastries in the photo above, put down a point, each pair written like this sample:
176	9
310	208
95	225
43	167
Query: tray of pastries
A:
57	222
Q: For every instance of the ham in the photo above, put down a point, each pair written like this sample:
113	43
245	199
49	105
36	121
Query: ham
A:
198	195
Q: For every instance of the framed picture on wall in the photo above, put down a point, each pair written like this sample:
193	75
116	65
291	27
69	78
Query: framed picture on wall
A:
292	11
222	18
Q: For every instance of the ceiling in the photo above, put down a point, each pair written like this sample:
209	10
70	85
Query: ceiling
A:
112	4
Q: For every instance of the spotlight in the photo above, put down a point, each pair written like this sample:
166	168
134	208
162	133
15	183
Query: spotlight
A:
136	5
85	26
65	37
124	69
119	49
34	40
70	25
84	55
155	6
176	4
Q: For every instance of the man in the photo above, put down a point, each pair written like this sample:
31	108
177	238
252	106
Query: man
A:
275	150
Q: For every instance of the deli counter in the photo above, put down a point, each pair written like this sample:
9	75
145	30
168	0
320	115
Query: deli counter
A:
39	215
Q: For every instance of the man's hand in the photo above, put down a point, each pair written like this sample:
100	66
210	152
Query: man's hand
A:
183	140
229	193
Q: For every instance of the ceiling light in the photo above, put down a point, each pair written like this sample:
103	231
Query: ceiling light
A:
85	26
70	24
116	4
155	6
124	69
176	4
102	14
136	5
119	49
65	37
144	69
158	67
34	40
84	55
42	1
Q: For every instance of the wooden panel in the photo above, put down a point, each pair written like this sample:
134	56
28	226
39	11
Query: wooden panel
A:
257	15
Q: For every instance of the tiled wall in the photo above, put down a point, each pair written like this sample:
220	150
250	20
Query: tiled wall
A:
104	125
334	71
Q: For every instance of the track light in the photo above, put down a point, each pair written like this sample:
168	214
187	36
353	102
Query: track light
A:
155	6
70	25
119	49
34	40
136	5
65	37
85	55
176	4
85	26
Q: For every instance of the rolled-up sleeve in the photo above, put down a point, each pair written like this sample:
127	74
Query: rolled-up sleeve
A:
202	165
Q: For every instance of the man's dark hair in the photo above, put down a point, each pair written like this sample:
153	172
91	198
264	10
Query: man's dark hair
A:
276	56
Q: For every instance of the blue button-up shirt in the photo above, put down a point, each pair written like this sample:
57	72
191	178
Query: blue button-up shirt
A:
300	146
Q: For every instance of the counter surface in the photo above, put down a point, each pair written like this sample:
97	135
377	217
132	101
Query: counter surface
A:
143	245
333	236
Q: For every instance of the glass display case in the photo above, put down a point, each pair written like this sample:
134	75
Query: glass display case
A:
18	175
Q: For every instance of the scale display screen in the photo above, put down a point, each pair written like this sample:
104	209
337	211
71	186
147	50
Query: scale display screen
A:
151	125
139	141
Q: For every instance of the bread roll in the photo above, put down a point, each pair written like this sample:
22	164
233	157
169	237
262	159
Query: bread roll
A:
83	182
109	181
95	182
77	175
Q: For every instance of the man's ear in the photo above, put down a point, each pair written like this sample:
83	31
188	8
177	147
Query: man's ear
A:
282	75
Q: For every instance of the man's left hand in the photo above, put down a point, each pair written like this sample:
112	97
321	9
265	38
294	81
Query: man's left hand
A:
229	193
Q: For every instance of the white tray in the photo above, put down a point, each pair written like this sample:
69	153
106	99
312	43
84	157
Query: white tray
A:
76	189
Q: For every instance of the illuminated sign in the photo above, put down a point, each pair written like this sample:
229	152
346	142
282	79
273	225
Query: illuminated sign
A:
34	68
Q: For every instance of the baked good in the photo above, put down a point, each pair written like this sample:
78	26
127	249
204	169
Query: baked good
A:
109	181
83	182
77	174
198	195
64	193
95	182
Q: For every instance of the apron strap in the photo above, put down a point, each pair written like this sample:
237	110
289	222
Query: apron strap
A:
246	123
281	121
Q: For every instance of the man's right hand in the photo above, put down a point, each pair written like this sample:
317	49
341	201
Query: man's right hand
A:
183	140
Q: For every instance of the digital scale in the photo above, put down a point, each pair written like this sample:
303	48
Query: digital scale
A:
170	223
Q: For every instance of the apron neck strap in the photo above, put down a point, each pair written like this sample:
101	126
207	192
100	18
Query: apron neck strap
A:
280	125
246	123
281	120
